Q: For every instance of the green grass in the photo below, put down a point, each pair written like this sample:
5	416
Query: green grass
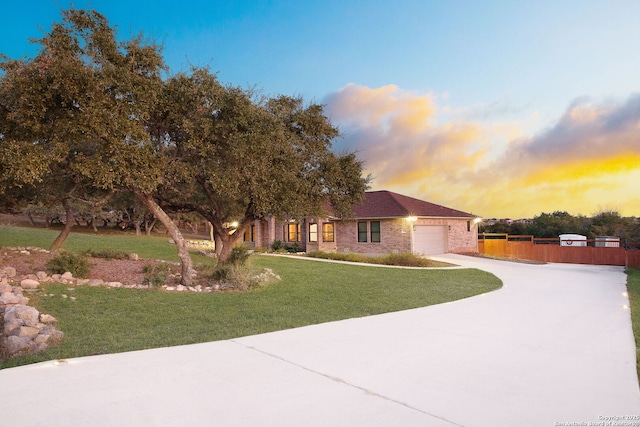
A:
633	289
147	247
103	320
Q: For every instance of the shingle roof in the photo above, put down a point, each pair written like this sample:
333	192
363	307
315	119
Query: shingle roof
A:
386	204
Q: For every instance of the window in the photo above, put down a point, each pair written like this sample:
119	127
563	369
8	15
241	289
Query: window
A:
375	231
468	225
250	234
293	232
313	232
362	232
327	232
369	229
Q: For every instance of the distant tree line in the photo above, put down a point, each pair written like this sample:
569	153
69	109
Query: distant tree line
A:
551	225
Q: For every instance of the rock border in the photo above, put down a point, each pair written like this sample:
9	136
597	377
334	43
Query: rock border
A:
24	329
27	331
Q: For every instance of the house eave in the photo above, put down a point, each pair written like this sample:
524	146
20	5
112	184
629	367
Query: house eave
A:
402	217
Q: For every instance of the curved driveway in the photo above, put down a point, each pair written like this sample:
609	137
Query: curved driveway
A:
553	347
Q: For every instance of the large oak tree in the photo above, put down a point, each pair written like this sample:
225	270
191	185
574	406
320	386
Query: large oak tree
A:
91	115
73	120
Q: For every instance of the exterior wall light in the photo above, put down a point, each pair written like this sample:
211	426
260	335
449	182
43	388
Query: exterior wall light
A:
412	218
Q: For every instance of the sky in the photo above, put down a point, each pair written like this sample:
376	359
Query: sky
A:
504	109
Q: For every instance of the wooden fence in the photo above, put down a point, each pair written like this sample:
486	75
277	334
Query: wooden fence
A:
549	250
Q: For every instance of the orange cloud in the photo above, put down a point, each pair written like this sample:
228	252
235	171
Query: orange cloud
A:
589	158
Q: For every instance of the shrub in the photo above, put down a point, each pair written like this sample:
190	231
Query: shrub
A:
107	254
239	278
293	248
239	255
405	259
78	265
156	275
277	245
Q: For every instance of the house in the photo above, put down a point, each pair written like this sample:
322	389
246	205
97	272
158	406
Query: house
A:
384	222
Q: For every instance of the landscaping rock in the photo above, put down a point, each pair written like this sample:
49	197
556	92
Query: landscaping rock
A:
29	314
47	318
12	327
9	298
67	276
5	287
95	282
9	272
28	331
16	346
25	330
29	284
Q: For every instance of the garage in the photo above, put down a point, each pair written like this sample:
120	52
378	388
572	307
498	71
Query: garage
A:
430	239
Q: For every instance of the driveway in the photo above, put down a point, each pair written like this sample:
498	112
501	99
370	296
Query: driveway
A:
553	347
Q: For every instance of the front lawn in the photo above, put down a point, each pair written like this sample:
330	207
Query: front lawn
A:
103	320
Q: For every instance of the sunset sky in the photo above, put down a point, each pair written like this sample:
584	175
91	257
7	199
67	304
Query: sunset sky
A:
500	108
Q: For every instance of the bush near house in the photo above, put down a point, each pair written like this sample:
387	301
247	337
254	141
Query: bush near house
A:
405	259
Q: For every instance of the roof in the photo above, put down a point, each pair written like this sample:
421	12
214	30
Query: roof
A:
387	204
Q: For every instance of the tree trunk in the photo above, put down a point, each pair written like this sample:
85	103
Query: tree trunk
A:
218	243
149	226
174	232
225	251
68	225
227	241
210	228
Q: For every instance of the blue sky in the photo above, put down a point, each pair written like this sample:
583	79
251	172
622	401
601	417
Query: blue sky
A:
455	102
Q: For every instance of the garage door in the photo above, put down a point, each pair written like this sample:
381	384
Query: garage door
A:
430	239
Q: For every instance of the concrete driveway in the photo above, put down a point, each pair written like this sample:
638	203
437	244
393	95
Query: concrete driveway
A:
553	347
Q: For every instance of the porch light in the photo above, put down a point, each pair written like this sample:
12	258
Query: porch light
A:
412	218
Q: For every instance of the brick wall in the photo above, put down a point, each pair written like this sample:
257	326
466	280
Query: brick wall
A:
395	236
458	238
320	245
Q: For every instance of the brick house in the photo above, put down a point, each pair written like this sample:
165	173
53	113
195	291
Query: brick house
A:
384	222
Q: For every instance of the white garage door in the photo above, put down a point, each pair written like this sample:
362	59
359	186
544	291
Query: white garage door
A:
430	239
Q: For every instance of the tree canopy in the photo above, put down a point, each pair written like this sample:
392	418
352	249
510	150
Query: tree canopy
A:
74	119
238	158
88	116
